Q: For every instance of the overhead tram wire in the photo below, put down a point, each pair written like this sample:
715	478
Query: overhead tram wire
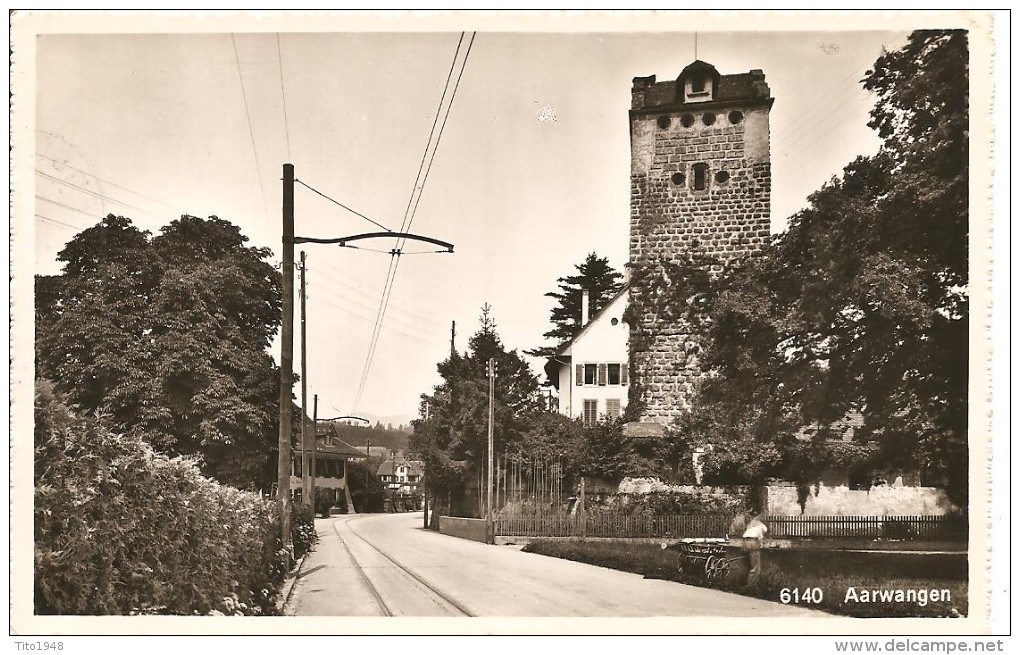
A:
420	189
251	131
391	271
409	215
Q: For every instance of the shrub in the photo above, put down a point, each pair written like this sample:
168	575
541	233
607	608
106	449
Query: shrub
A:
121	529
302	528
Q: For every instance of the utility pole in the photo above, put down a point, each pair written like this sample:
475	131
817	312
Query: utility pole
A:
306	484
490	531
453	338
286	358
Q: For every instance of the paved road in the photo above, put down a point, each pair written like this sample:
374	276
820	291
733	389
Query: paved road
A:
387	565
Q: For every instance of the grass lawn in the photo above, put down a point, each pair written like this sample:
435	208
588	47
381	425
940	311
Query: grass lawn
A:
800	572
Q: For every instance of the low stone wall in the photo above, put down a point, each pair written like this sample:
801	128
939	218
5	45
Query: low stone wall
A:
882	500
455	526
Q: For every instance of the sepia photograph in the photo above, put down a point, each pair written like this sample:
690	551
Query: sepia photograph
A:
658	323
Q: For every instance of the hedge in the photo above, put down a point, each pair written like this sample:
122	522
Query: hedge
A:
121	529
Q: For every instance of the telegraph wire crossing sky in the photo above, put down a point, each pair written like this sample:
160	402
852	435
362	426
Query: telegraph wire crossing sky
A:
531	172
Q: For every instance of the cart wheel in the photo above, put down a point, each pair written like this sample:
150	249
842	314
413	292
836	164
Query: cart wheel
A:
680	562
709	566
722	567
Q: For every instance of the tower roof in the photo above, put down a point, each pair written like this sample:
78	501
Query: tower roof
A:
744	88
697	66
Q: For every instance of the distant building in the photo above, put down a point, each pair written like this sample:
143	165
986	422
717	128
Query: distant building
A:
401	476
591	371
331	457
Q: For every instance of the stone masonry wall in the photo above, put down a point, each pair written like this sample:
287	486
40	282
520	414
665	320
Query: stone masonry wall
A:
729	219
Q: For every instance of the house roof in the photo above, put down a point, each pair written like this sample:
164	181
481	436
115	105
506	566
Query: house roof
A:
414	467
559	358
596	316
334	447
842	429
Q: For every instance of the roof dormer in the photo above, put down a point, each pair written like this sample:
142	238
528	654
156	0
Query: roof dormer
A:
697	82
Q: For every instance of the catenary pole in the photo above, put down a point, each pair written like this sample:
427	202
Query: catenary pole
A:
286	358
306	475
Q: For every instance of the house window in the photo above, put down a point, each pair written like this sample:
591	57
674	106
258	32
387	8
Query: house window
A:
297	467
590	373
613	407
700	176
614	374
591	412
697	84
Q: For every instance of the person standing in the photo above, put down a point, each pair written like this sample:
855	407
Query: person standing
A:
737	527
753	537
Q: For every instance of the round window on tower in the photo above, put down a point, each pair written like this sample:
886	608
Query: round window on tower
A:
722	177
736	116
687	120
708	118
664	122
678	179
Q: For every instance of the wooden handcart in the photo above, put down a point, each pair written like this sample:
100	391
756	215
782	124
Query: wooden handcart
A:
707	554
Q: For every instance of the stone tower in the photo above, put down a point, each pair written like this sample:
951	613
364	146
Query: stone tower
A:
700	179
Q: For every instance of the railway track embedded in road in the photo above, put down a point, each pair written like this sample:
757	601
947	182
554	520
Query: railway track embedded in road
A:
387	610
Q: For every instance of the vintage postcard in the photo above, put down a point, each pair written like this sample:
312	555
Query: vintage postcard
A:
646	323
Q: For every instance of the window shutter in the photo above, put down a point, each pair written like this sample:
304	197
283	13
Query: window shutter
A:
602	375
579	374
623	374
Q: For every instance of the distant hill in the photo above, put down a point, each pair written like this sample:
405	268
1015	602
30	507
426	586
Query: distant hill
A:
392	437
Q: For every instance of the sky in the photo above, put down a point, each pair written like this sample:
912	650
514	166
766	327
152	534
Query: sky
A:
530	175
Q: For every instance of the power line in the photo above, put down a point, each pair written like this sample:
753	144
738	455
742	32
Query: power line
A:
251	131
283	94
348	311
337	202
356	298
96	177
60	204
360	292
95	194
53	220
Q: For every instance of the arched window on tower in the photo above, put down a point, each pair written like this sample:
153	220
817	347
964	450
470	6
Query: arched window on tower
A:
700	181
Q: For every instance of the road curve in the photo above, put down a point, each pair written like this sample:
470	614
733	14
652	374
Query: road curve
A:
387	565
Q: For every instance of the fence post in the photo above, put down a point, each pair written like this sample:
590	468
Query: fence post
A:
583	513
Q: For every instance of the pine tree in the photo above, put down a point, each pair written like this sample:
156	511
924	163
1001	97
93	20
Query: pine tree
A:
599	279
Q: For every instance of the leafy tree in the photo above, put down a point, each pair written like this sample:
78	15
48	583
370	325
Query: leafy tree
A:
451	434
594	275
861	306
367	490
168	338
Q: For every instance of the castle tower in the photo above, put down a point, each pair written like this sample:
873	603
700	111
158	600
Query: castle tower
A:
700	180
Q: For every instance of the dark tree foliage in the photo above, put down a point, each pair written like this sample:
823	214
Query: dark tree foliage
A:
168	338
861	306
452	431
601	281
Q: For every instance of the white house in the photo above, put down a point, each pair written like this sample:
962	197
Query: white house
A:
590	371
